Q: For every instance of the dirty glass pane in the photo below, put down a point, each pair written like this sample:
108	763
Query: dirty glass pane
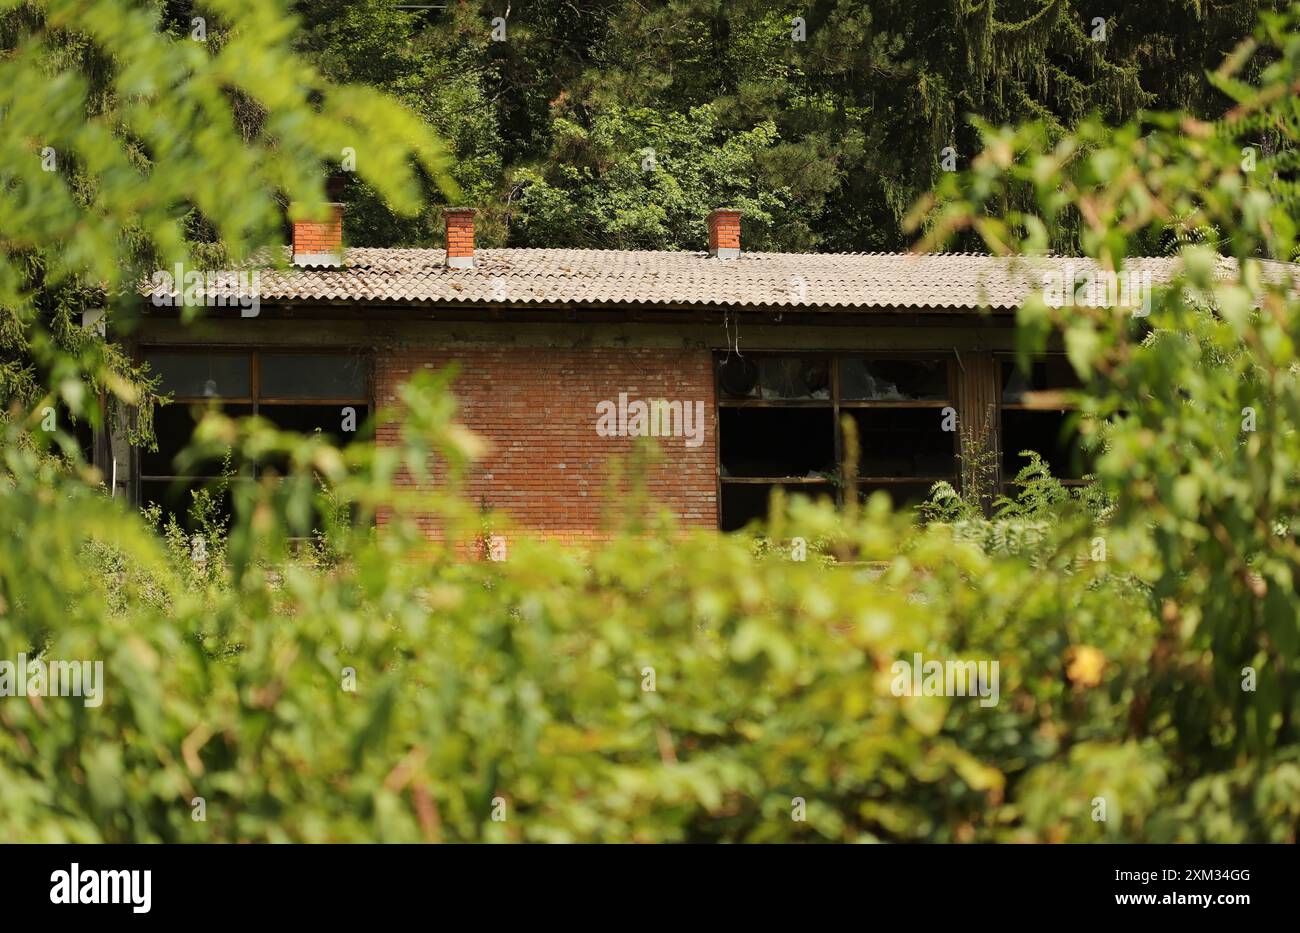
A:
893	380
795	377
313	375
203	375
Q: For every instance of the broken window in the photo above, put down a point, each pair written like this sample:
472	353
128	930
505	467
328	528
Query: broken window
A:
737	377
886	380
1037	415
780	425
324	393
906	424
794	377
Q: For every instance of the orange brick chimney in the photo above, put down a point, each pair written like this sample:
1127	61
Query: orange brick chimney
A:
319	242
724	234
460	237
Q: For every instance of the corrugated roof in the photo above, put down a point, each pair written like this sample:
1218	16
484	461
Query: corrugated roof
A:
526	277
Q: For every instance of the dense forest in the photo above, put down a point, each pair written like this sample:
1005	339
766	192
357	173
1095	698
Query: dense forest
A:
607	124
289	673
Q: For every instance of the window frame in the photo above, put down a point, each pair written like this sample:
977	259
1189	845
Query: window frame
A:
837	405
1048	400
254	400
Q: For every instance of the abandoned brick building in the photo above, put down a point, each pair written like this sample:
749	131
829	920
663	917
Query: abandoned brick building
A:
744	362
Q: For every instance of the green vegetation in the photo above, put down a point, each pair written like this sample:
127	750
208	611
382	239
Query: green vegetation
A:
825	140
377	687
123	148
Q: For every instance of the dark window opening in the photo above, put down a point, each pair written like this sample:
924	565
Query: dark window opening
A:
906	495
777	442
175	498
743	503
905	442
1051	434
173	426
1037	415
325	393
338	424
779	425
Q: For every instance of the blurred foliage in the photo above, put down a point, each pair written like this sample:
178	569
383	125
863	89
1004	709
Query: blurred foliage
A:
380	686
524	680
121	143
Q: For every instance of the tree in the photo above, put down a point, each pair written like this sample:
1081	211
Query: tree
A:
443	74
146	148
846	109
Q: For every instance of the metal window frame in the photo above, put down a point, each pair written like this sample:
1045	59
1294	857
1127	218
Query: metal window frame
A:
837	405
254	399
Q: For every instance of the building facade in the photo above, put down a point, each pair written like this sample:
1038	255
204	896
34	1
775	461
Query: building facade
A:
751	370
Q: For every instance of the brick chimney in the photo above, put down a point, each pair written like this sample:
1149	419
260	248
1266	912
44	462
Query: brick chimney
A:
460	237
724	234
319	242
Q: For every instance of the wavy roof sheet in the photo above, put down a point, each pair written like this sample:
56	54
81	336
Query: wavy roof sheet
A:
549	277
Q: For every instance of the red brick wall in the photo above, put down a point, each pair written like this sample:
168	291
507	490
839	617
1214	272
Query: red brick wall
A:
460	232
319	236
724	230
547	466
